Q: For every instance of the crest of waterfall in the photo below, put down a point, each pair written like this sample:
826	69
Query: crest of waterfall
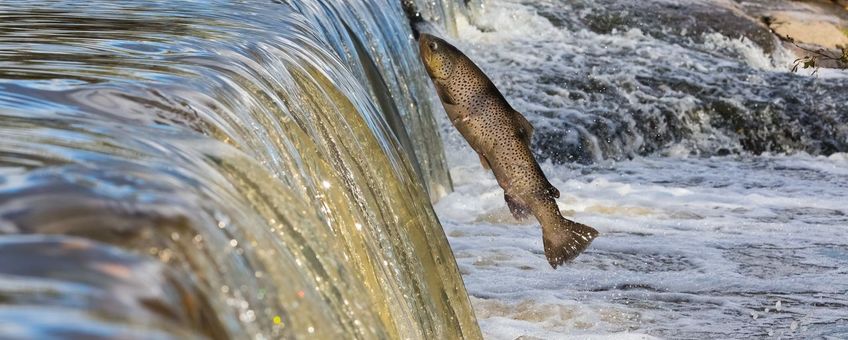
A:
175	169
386	59
443	14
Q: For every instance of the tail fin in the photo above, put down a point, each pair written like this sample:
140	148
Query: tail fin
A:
564	241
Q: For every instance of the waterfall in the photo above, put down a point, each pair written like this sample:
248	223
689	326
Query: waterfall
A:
229	170
443	14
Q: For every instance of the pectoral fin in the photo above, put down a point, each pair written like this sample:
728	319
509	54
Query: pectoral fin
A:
444	95
525	130
484	162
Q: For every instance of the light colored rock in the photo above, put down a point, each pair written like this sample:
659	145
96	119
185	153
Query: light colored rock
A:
809	29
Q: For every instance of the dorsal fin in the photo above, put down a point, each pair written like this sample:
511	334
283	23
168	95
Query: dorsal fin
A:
524	128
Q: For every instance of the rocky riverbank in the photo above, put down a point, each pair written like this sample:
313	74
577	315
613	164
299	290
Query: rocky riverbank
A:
810	29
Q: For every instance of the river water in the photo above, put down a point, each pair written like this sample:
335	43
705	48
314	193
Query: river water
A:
265	169
716	177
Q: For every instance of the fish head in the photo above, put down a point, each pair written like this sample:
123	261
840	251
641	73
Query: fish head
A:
438	56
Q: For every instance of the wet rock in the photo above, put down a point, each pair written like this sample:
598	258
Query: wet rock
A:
670	21
806	27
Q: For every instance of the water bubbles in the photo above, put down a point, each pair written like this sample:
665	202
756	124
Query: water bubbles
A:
793	326
310	329
248	316
175	236
233	243
325	184
777	306
165	255
358	226
223	219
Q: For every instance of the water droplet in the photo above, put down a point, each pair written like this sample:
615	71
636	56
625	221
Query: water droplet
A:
311	329
247	316
325	184
233	243
165	255
794	325
358	226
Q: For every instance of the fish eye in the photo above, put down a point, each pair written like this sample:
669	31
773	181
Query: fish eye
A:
433	45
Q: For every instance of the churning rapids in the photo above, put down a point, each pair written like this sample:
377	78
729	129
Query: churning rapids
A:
716	177
265	169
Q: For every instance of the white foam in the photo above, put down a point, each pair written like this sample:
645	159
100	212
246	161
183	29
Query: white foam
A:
690	246
706	234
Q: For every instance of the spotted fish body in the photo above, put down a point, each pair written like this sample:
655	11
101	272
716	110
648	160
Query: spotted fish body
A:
501	137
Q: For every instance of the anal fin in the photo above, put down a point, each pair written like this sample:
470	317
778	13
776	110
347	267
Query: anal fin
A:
518	209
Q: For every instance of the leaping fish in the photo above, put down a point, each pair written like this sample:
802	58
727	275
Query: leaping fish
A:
501	137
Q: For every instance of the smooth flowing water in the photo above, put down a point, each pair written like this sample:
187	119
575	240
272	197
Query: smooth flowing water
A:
717	178
188	169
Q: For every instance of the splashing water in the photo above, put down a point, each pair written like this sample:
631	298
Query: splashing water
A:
598	86
693	244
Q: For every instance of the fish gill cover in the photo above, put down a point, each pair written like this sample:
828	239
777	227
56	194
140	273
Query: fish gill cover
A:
180	169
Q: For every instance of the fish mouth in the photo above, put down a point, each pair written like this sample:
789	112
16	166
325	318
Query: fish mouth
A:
423	40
